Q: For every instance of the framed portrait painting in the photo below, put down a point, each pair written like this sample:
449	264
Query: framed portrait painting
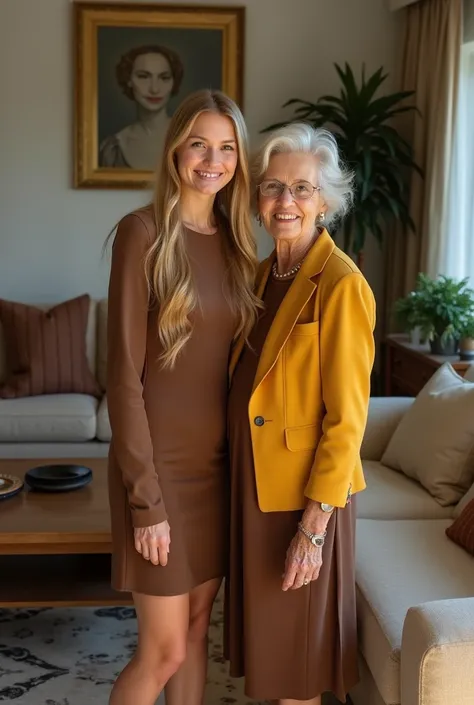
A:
134	65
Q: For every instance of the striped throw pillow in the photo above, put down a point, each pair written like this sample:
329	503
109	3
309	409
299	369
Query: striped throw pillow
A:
46	350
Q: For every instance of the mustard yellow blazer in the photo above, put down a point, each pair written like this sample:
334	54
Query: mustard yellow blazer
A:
309	403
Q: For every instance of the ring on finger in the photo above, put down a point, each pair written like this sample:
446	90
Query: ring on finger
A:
306	582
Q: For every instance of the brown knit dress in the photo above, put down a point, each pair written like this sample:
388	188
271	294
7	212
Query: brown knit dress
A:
168	456
296	644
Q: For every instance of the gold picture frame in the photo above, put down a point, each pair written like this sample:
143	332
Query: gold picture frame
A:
134	64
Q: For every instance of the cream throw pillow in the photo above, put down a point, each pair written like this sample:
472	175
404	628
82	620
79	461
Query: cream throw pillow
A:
464	502
469	376
434	442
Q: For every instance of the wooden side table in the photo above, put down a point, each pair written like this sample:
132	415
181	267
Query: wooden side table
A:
408	367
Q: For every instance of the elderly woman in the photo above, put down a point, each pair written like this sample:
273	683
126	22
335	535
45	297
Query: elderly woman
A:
297	413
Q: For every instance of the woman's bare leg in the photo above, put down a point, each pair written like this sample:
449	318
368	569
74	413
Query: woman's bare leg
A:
162	634
186	687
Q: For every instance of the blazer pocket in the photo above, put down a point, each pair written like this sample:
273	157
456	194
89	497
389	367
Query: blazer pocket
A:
306	328
302	437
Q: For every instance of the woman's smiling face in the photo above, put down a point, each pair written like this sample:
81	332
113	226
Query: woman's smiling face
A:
286	216
207	160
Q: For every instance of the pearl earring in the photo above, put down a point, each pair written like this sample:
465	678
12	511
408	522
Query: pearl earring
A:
322	216
259	219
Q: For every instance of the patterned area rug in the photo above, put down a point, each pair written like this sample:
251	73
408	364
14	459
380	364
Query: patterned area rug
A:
72	656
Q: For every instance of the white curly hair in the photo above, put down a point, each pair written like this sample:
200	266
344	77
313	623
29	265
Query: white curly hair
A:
335	180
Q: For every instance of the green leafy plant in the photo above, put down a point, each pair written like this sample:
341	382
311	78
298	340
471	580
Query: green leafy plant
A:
406	312
467	330
379	156
443	308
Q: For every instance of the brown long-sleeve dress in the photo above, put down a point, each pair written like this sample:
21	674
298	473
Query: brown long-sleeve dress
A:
168	453
296	644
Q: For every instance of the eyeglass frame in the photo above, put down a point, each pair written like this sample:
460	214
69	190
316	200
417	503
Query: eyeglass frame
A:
290	189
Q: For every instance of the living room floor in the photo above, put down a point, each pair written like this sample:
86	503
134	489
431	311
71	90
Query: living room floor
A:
71	656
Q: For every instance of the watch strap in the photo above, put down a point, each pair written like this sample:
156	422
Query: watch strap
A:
316	539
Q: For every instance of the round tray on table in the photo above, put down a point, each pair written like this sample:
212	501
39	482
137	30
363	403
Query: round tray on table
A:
10	485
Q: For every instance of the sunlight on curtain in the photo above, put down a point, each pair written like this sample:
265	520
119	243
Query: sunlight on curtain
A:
459	248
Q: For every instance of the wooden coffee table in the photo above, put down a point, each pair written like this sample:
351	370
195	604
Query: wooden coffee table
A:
55	547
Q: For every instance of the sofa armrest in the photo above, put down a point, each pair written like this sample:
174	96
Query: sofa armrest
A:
385	413
438	653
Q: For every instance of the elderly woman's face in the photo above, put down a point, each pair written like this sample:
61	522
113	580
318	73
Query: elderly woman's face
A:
151	81
286	216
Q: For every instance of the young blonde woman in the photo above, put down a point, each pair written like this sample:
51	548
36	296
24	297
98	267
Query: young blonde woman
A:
180	293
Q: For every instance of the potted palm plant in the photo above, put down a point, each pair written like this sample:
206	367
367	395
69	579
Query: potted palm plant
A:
381	159
441	308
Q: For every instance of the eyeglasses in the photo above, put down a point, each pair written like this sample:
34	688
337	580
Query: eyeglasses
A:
301	190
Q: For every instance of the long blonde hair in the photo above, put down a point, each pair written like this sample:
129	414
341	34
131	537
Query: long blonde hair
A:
166	264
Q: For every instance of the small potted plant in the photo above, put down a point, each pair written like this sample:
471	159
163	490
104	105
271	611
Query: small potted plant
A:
407	316
440	307
466	341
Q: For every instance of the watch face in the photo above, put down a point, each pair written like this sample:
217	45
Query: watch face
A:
326	507
317	541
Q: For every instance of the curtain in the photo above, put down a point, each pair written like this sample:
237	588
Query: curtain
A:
457	254
430	59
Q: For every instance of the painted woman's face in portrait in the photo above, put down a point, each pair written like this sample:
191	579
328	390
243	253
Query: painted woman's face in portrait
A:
151	81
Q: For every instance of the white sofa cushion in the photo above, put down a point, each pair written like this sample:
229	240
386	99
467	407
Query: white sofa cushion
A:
392	495
385	413
50	417
104	432
400	564
434	442
464	502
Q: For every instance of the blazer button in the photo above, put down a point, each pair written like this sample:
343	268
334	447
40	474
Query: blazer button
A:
259	421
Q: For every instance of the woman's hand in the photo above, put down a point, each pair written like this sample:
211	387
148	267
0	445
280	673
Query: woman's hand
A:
153	542
303	559
303	563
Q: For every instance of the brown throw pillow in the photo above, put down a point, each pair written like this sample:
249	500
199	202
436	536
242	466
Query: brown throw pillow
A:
462	530
46	350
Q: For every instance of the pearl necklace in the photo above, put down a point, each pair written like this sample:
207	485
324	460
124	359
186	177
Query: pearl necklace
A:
287	274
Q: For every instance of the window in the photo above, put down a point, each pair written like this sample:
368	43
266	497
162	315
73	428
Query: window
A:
459	256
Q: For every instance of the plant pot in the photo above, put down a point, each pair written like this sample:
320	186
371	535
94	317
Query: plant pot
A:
448	347
466	349
415	336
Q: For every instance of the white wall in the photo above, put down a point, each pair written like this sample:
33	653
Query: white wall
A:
50	234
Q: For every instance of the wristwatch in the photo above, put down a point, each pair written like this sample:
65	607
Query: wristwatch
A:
316	539
328	508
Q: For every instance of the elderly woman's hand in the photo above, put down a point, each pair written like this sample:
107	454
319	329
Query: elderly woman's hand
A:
304	559
303	563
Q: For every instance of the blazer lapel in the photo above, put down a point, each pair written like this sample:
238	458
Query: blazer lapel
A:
295	300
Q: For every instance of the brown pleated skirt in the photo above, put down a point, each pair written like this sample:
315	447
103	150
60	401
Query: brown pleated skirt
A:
296	644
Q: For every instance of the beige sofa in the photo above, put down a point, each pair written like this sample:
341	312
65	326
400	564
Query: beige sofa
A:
415	587
60	425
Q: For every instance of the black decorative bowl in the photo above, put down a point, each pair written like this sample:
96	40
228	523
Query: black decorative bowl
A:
58	478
